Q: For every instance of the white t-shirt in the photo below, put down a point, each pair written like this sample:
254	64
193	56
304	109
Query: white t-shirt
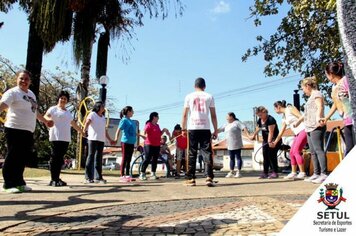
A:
22	110
233	134
199	104
61	129
289	119
96	129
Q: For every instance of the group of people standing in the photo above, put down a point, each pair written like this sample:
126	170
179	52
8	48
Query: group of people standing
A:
198	114
308	128
21	105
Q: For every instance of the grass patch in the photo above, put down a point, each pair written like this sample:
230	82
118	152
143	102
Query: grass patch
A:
33	172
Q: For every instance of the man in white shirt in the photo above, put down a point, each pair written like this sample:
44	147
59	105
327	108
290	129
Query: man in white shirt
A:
199	105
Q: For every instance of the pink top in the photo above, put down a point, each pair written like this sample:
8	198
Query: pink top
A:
153	134
341	97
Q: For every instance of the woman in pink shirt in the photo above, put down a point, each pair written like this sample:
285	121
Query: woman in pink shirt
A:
152	134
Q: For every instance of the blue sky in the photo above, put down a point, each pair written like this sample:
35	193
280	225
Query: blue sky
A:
207	41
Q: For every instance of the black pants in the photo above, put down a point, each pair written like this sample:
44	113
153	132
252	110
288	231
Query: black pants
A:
349	138
201	139
19	147
59	149
94	163
151	153
270	157
127	151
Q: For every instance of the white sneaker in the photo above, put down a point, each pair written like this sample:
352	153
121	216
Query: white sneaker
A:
100	181
11	190
142	176
238	174
230	175
153	176
311	178
301	175
291	175
24	188
321	179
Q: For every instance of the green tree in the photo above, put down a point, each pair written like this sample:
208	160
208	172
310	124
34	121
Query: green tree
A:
305	41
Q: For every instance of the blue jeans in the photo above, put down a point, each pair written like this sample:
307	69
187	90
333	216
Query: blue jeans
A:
94	163
235	154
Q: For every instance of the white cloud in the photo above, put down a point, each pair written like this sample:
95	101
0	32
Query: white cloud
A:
221	8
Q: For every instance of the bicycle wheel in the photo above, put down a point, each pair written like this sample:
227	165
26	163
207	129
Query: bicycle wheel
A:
136	165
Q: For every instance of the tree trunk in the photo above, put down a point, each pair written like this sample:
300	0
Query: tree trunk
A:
82	93
346	16
34	58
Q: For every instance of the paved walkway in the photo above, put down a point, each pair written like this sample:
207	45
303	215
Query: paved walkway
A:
245	206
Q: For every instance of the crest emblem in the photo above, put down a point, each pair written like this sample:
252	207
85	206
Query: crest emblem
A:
331	196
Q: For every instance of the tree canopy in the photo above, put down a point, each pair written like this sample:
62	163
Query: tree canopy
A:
305	41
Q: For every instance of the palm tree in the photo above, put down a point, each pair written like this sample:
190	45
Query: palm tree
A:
50	21
117	18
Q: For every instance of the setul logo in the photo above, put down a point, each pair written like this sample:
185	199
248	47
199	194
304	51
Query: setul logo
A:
331	219
332	196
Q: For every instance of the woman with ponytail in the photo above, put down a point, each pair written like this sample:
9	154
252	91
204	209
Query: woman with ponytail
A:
290	117
313	114
95	125
341	97
128	140
152	134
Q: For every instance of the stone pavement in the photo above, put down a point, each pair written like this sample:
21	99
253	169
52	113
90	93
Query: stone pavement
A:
244	206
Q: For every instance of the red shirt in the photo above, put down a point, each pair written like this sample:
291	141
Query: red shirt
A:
153	134
182	141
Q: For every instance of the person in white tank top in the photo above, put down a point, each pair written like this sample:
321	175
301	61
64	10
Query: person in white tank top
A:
291	116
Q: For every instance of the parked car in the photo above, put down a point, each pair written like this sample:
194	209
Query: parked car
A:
111	166
110	162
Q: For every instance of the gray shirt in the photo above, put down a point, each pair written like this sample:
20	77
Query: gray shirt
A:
311	116
233	134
